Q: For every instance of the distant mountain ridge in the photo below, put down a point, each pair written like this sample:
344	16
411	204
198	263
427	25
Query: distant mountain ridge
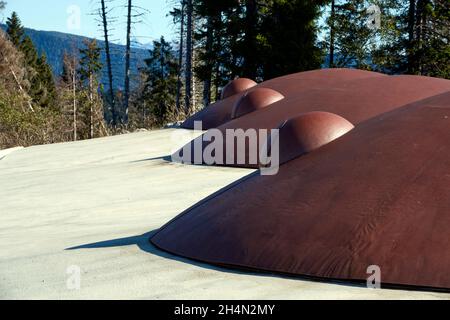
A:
54	44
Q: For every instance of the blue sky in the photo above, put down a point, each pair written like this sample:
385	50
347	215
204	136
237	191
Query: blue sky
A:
61	15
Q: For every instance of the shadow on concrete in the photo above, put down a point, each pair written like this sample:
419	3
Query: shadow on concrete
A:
144	244
164	158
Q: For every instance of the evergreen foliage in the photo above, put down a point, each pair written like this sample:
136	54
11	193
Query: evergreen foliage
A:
160	81
43	90
219	41
15	29
92	114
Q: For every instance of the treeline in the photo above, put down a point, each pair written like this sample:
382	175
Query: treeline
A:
36	107
217	41
222	40
263	39
390	36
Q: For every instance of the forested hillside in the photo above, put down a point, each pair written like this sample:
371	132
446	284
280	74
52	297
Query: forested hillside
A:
55	44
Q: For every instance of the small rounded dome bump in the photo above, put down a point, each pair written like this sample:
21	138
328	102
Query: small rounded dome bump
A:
310	131
237	86
254	100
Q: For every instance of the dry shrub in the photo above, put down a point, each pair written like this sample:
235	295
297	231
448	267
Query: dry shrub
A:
21	123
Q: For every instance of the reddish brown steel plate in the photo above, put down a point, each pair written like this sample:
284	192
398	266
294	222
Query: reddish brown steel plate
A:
334	91
289	86
379	195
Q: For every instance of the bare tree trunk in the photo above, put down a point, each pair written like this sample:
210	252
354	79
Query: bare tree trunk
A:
127	63
207	92
217	84
21	89
180	56
217	75
189	46
194	83
91	108
250	63
100	119
411	20
420	33
74	88
19	85
332	32
108	63
411	35
209	62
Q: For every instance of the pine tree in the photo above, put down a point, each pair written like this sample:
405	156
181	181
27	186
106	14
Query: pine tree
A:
390	53
31	58
210	12
249	47
133	13
90	64
350	37
22	120
89	69
430	47
104	12
161	81
259	39
29	51
127	60
220	44
69	85
229	55
42	90
15	29
207	67
332	28
289	36
14	82
47	96
179	14
413	36
189	56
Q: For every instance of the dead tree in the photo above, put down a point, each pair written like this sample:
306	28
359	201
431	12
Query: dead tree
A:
69	81
104	19
74	96
189	56
208	47
332	32
127	62
17	81
180	54
70	63
133	13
